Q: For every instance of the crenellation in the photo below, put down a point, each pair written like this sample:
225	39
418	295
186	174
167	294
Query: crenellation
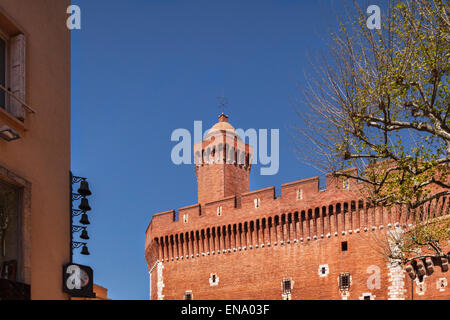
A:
228	207
236	230
309	187
265	196
190	214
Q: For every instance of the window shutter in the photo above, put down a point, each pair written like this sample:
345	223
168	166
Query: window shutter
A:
17	75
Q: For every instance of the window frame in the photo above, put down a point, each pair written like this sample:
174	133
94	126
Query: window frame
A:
285	290
23	188
342	276
257	202
16	109
188	293
4	36
18	230
213	279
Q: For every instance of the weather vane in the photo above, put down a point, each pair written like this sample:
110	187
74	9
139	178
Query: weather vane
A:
223	102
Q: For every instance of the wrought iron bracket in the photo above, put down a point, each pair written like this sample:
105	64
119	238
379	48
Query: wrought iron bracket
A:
77	228
76	196
76	179
76	212
76	244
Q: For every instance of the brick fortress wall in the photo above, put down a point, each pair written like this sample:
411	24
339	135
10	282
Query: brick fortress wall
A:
237	244
251	250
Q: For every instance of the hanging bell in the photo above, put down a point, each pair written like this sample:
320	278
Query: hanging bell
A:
84	235
84	219
84	189
85	250
84	206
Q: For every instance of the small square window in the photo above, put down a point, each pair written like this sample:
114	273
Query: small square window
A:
257	203
188	295
300	194
441	284
324	270
213	279
219	211
344	246
367	297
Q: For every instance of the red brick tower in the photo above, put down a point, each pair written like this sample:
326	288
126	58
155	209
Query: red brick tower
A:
222	163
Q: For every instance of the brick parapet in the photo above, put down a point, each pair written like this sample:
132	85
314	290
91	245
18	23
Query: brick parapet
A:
167	221
319	215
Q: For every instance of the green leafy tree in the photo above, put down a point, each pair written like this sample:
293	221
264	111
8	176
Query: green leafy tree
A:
379	102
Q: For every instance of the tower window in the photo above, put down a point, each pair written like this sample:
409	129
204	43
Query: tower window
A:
287	285
188	295
344	246
345	184
299	194
344	281
219	211
257	202
185	218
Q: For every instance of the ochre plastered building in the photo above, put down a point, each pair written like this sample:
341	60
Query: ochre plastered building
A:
101	293
34	168
308	243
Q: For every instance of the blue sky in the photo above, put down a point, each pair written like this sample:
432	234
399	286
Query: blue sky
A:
141	69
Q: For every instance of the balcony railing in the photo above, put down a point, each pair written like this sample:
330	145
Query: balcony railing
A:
23	103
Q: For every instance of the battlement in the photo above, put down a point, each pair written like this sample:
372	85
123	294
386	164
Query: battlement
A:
259	218
305	190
